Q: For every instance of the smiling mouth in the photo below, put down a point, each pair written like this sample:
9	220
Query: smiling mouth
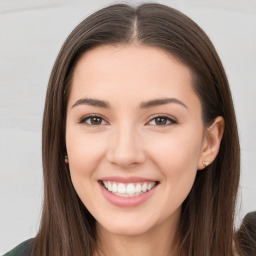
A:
128	189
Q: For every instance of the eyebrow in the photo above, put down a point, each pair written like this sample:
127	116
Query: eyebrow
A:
143	105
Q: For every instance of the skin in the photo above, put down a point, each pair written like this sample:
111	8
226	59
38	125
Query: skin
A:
127	141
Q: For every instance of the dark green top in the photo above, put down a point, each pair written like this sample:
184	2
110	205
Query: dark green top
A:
23	249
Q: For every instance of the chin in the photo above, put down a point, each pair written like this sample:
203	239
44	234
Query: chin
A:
127	228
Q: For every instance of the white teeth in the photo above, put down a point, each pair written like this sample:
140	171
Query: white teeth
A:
121	188
138	188
151	185
109	186
144	187
123	195
128	190
114	187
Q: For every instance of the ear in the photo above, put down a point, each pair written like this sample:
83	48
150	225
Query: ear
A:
211	143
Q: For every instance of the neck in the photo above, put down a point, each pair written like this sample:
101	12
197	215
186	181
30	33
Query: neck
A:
158	241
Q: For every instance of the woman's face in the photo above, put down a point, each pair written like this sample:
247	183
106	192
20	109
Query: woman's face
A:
134	137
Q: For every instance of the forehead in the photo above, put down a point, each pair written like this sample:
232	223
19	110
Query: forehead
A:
131	60
132	72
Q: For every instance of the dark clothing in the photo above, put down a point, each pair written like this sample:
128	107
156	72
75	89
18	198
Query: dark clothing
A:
23	249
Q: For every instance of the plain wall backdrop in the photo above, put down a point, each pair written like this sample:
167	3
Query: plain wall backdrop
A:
31	34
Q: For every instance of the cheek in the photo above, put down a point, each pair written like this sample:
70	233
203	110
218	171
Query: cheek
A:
177	158
176	153
84	152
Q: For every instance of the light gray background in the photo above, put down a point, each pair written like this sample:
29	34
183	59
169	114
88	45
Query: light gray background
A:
31	34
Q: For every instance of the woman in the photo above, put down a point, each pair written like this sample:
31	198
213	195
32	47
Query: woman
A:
140	145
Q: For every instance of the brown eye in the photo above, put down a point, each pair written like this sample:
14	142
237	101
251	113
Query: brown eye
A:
162	121
93	120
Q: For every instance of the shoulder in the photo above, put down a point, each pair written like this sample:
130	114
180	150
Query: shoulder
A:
23	249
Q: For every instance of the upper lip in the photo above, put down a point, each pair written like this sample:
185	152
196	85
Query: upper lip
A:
132	179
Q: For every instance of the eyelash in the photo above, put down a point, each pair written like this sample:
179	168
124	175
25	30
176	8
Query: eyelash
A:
171	121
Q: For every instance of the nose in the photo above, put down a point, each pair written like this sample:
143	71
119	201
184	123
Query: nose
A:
126	148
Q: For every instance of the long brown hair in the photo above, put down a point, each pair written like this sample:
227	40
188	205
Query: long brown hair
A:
207	217
245	240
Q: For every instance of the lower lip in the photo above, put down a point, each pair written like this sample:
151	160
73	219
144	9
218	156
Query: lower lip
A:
126	201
